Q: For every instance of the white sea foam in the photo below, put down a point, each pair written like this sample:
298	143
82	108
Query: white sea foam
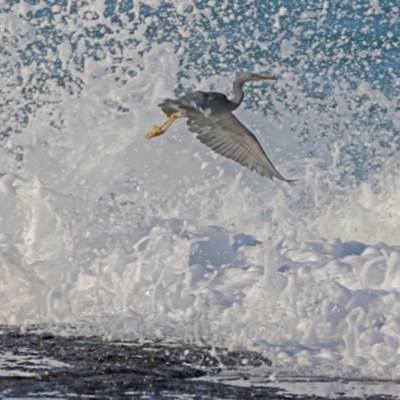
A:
26	364
105	232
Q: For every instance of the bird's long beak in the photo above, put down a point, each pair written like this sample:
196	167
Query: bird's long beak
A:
263	78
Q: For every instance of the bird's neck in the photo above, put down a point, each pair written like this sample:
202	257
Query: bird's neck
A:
237	94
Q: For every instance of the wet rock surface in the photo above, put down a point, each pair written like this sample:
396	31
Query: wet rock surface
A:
94	367
43	365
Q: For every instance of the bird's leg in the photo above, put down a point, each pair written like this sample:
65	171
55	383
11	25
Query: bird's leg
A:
159	130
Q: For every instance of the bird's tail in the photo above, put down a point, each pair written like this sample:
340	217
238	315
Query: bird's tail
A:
169	106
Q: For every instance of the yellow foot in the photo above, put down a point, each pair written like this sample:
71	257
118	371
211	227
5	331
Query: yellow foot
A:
156	131
159	130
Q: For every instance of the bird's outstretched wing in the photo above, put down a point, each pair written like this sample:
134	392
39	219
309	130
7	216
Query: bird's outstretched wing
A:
226	135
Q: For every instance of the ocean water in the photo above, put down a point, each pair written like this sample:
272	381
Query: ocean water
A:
104	232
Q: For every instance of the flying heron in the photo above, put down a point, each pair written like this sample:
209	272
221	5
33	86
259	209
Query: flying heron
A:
209	114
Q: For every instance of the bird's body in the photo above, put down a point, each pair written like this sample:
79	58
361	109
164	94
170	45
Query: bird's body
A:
209	114
207	103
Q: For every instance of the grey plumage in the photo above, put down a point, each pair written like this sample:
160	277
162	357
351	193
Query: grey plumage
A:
209	114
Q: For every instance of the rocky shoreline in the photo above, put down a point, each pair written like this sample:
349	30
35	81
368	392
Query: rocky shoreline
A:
59	367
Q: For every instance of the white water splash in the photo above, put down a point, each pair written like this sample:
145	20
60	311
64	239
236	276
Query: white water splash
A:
106	233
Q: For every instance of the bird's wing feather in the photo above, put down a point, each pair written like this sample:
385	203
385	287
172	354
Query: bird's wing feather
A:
226	135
